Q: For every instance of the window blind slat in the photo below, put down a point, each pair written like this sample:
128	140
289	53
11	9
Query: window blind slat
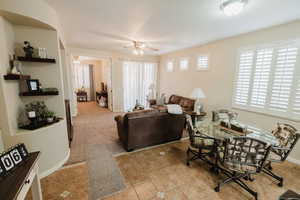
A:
243	79
268	80
261	77
283	78
296	102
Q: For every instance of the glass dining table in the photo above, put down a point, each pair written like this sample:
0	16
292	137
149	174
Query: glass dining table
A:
220	133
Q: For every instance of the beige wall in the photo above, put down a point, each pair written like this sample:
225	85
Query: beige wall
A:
114	62
217	82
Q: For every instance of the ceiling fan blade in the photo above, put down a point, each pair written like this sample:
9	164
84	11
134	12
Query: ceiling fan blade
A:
152	49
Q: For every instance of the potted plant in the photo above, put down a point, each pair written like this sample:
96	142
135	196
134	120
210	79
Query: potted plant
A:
49	115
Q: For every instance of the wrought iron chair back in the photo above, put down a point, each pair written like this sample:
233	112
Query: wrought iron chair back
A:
223	114
245	155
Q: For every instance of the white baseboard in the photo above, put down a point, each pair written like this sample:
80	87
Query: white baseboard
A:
56	167
293	160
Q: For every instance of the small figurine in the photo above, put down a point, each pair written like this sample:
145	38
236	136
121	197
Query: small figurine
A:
28	49
15	66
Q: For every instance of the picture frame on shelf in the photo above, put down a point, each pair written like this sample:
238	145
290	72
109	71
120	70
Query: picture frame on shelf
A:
33	85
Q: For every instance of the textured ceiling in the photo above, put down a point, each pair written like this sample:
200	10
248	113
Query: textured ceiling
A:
164	24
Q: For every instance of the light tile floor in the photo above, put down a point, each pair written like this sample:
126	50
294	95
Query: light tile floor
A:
151	175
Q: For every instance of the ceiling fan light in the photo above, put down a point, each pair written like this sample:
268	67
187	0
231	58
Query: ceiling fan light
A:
233	7
142	45
141	52
135	52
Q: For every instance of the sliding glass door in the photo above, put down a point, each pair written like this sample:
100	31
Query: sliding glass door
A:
138	78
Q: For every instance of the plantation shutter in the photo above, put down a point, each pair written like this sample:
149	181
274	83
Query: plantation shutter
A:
243	79
296	102
283	78
261	77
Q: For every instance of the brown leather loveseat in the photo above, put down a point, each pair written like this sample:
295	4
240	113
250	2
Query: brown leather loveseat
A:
187	104
149	127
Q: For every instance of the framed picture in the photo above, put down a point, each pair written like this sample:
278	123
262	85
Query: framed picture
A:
33	85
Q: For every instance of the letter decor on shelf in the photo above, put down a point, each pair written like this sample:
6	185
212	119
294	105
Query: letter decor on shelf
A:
12	158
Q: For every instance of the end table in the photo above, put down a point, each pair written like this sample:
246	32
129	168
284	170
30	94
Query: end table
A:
195	117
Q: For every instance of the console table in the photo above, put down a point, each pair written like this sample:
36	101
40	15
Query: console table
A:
16	185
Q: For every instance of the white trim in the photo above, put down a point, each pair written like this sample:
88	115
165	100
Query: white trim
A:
55	167
252	110
293	160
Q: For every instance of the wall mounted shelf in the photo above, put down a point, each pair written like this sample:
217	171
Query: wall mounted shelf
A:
29	94
16	77
39	125
40	60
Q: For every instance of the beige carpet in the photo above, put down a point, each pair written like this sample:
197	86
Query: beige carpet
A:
93	125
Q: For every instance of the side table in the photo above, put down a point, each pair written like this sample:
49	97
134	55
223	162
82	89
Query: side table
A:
195	117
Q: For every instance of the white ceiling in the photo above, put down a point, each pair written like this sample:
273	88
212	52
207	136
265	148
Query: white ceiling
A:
164	24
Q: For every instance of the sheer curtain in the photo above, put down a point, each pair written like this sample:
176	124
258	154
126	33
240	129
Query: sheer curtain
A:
82	78
138	77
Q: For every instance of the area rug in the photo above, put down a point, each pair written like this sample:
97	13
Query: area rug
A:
104	175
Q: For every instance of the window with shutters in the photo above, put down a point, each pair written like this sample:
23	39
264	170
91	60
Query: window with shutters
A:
170	66
184	64
202	63
268	80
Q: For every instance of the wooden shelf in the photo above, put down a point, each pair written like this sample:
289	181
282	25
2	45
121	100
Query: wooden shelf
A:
28	94
40	125
40	60
16	77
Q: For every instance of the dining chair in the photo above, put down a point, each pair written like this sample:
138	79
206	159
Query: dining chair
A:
287	136
241	158
223	115
200	145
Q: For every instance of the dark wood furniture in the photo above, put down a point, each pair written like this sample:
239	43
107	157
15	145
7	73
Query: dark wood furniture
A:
16	77
69	121
81	96
17	184
39	93
40	60
195	117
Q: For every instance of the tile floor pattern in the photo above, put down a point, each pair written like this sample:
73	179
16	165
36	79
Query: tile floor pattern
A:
71	181
93	125
151	175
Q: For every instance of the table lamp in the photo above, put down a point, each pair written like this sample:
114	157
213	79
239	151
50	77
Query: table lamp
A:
198	94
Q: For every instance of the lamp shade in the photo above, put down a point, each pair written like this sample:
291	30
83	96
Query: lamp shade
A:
198	94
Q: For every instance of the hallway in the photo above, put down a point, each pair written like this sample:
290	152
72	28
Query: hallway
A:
93	125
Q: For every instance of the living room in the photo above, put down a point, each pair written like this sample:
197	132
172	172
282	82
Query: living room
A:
200	99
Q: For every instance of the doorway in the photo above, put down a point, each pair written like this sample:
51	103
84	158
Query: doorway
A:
92	80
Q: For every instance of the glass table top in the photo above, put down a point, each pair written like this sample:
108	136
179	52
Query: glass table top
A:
215	130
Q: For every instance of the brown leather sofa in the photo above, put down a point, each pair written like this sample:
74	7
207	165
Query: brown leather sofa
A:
186	103
149	127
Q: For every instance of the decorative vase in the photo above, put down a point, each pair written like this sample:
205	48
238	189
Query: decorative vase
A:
49	119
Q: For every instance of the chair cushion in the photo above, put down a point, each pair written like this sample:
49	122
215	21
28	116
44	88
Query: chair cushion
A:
244	154
284	134
274	157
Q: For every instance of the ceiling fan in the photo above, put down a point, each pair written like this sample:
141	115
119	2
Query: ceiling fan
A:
139	48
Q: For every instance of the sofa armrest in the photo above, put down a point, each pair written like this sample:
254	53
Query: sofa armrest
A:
121	128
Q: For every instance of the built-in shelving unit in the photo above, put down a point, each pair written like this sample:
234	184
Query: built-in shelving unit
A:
40	125
16	77
41	93
40	60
